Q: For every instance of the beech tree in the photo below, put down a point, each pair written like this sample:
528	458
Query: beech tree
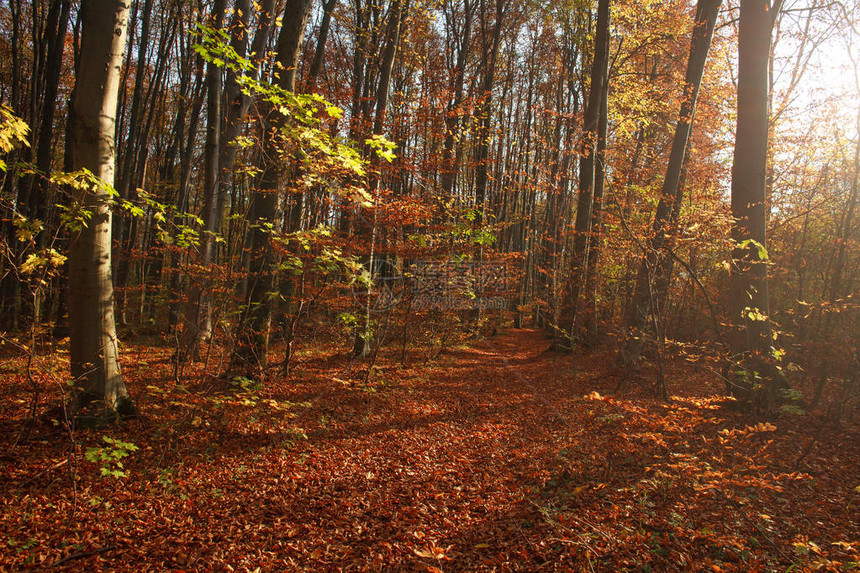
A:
198	308
588	159
94	348
656	266
750	305
253	340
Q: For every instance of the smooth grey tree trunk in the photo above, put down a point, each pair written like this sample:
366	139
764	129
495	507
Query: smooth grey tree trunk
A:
750	306
94	349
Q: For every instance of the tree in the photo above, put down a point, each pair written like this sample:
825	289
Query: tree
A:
396	13
92	113
588	152
757	380
198	307
485	107
253	338
657	258
750	306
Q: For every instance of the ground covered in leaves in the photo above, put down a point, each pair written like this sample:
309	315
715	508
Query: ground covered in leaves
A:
499	456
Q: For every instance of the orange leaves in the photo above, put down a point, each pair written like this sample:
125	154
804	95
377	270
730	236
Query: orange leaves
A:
496	458
434	551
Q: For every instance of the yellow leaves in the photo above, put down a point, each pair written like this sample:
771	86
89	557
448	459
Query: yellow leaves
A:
383	147
26	229
243	142
13	132
754	315
580	489
49	258
433	551
806	547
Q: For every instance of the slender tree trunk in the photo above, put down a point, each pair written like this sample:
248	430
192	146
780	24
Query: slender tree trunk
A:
588	150
657	258
454	117
397	11
129	152
185	160
94	349
237	103
485	116
253	339
54	66
198	307
319	50
596	235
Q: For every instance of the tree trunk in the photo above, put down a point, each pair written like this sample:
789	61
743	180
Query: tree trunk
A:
253	338
198	307
397	11
657	258
749	288
454	117
596	236
485	116
588	150
319	50
94	349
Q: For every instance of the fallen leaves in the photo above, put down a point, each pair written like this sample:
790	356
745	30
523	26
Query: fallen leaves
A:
498	460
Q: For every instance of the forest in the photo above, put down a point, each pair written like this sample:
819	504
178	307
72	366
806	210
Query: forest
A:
430	285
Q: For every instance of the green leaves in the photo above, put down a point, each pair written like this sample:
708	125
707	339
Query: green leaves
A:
760	249
109	456
383	147
328	159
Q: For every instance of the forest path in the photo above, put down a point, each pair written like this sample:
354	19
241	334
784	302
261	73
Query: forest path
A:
439	466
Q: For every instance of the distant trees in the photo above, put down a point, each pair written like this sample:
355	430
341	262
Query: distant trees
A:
556	138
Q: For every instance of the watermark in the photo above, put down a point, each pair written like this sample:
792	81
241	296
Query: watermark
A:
437	285
459	285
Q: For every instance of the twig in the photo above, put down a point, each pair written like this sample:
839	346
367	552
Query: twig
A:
80	555
44	471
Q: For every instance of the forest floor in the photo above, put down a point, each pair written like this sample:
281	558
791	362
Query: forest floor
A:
498	456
